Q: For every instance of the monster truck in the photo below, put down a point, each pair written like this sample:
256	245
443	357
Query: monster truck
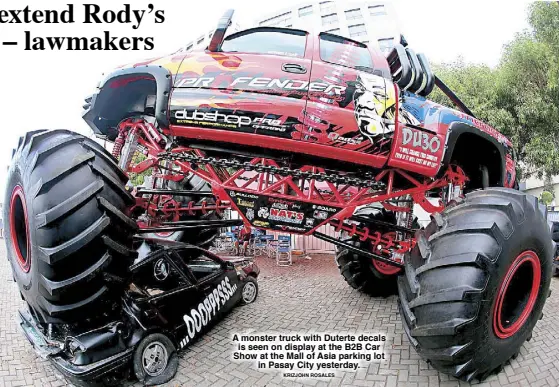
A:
294	131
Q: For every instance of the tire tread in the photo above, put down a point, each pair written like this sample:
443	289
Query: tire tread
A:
457	356
72	276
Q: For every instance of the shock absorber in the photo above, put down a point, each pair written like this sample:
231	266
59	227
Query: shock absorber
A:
405	218
128	150
119	143
453	192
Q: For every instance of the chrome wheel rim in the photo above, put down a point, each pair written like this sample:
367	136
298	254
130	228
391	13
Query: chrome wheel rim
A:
249	292
154	359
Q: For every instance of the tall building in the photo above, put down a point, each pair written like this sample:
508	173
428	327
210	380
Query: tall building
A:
204	39
364	21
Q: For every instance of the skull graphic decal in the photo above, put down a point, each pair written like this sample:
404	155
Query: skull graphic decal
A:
375	107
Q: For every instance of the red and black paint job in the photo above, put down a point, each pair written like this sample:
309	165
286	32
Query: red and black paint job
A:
328	106
249	100
334	102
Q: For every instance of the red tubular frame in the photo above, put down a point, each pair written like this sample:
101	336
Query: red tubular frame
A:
345	197
247	179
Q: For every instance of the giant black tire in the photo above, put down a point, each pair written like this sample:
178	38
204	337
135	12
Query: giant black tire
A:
360	272
67	236
202	236
475	285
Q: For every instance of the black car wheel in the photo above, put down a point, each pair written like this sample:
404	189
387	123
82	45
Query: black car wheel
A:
249	293
155	360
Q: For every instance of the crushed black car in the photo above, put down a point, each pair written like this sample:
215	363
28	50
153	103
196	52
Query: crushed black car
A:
174	294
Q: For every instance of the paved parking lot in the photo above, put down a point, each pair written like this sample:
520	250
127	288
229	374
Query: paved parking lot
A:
309	296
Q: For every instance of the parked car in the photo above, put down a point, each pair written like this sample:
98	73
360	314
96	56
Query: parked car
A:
175	293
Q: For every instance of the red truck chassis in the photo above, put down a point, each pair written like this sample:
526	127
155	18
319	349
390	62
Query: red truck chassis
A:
258	176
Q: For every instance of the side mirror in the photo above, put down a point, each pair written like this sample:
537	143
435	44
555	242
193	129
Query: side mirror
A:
229	264
219	33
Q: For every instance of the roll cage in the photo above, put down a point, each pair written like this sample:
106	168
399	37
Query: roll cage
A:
170	256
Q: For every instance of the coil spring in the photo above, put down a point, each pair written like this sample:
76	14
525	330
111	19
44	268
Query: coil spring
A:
119	143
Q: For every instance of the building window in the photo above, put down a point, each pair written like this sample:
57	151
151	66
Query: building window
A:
280	20
386	44
305	11
327	6
357	30
189	47
335	31
377	10
329	19
353	14
200	40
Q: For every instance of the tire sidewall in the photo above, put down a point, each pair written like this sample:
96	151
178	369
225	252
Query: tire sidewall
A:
15	177
523	238
249	280
172	360
77	224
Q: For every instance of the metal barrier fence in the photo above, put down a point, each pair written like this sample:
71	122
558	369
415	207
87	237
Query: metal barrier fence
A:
553	216
310	244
